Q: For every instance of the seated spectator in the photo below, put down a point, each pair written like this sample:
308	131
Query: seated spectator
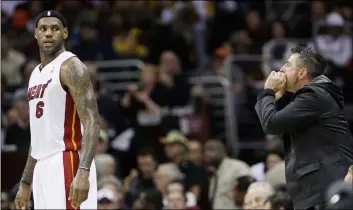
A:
224	170
142	105
273	157
19	134
195	152
280	201
257	194
178	186
166	174
176	200
27	71
176	149
141	179
106	165
240	189
110	193
276	51
151	199
11	62
257	30
5	200
103	143
276	175
335	46
90	47
171	76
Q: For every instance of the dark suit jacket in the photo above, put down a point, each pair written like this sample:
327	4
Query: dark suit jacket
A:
318	143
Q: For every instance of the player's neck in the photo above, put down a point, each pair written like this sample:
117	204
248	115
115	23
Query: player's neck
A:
45	59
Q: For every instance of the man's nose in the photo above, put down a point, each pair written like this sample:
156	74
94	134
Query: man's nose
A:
48	33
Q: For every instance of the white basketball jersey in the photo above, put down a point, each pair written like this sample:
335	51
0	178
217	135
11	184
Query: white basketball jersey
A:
55	126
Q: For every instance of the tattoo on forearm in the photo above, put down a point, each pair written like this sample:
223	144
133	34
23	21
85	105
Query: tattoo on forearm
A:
27	175
77	78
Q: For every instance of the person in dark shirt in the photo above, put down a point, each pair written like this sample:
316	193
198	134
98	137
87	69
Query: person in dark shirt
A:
19	134
142	105
195	177
141	180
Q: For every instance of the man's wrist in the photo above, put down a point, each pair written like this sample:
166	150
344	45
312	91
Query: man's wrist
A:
24	182
266	92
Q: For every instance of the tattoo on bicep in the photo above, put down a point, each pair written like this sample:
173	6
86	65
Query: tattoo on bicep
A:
77	79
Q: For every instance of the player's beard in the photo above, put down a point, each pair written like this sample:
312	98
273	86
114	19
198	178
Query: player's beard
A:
51	52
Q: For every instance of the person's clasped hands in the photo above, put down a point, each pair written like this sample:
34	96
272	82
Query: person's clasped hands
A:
277	82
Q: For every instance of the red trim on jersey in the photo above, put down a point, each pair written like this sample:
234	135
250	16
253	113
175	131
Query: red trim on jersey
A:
71	161
72	126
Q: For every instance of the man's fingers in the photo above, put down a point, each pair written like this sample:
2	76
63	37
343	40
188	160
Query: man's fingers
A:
17	204
74	197
70	194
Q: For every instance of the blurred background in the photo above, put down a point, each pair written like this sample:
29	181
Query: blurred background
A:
176	83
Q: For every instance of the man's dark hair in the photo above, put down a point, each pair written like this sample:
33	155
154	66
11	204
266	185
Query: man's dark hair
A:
51	13
280	200
243	183
155	198
147	151
312	60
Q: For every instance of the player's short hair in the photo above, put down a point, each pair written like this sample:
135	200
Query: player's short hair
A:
312	60
51	13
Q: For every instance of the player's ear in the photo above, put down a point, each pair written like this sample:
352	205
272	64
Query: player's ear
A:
66	33
35	33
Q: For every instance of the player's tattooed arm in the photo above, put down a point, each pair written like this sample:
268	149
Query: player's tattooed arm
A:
27	175
75	76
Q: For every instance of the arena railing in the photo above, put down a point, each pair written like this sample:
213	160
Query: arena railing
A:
118	74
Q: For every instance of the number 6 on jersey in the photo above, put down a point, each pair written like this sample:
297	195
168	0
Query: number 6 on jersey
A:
39	109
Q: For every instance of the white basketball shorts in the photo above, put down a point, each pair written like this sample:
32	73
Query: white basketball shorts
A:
52	179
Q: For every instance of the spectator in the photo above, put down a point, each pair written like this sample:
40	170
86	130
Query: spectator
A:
106	165
257	194
224	170
195	152
19	134
172	77
276	175
178	186
257	31
5	200
11	62
29	66
277	50
110	194
335	46
103	143
176	200
108	108
280	200
141	180
142	105
273	157
90	48
240	189
176	149
165	175
151	199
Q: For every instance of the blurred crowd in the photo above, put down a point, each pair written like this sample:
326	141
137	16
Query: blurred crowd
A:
145	161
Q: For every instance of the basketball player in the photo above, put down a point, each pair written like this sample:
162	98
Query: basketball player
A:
60	97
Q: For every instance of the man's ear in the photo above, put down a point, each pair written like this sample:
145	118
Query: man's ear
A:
35	33
303	73
66	33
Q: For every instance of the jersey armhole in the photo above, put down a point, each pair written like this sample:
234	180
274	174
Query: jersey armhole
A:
64	87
